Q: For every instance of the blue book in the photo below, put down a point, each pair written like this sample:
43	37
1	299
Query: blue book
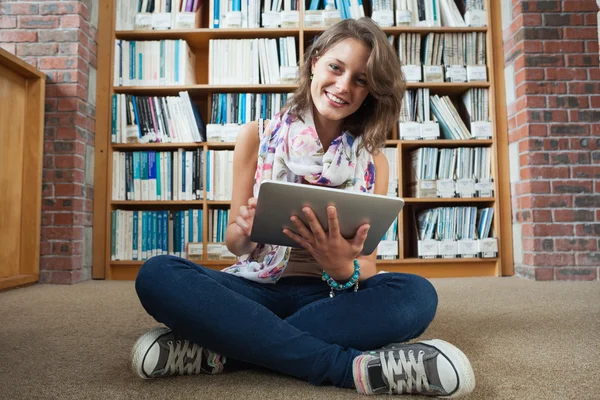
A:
182	162
182	233
144	235
177	61
135	236
159	232
199	225
191	226
236	5
159	184
217	13
137	116
165	238
151	175
169	176
114	119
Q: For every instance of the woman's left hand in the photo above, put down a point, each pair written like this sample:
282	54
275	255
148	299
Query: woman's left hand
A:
333	253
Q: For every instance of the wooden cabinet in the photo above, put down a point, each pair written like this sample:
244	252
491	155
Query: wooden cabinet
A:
21	151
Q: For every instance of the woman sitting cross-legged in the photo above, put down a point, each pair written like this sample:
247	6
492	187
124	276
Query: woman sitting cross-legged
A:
272	308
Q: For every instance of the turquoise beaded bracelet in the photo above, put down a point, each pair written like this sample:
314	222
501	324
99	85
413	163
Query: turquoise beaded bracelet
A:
343	286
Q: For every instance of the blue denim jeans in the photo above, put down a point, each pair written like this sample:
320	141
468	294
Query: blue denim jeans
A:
292	326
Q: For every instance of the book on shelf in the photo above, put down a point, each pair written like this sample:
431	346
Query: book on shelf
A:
158	175
157	14
387	249
254	14
452	13
141	234
153	63
219	174
156	119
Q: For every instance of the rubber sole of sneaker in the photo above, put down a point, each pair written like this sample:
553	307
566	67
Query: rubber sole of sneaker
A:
140	348
466	377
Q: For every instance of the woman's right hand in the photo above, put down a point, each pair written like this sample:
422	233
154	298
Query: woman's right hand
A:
246	217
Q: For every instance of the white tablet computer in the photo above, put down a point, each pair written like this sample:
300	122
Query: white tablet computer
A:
278	201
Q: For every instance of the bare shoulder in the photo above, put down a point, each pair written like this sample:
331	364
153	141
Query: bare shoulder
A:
380	161
247	141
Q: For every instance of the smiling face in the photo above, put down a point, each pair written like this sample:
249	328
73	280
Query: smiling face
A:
339	83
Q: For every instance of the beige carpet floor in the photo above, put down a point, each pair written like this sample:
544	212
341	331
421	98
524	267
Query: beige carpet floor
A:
526	340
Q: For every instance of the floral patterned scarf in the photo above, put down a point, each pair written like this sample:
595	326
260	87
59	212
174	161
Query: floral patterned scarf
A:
290	151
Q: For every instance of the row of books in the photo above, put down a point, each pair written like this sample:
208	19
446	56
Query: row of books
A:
466	48
158	175
240	108
252	61
448	172
153	63
139	235
452	232
160	119
253	13
157	14
387	249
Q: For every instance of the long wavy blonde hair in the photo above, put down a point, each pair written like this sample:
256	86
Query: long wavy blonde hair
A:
375	118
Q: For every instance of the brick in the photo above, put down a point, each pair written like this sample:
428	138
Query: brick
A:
17	36
58	36
543	88
563	19
569	129
38	22
18	9
556	144
37	49
580	33
544	60
538	33
584	87
580	60
70	21
576	274
57	62
62	233
575	244
587	229
584	144
563	46
10	47
587	201
65	263
74	247
566	74
551	201
540	6
548	116
591	46
544	172
572	186
588	115
578	171
7	22
64	7
568	101
553	259
590	19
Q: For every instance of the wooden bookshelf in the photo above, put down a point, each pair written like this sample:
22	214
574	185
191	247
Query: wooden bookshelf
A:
201	93
22	89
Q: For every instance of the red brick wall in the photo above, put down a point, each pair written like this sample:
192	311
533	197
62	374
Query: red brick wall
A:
58	37
554	122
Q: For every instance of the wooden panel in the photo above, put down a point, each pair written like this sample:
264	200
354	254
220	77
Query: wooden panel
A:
13	88
17	280
33	153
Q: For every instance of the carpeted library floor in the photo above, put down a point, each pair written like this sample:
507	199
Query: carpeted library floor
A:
526	340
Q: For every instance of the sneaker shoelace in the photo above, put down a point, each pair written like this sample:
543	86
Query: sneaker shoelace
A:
399	373
184	357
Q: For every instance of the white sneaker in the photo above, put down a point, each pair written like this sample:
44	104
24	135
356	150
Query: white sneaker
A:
160	352
428	368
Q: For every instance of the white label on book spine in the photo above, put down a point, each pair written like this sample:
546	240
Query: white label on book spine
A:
143	21
456	73
313	18
387	248
448	248
481	129
487	247
195	249
403	17
427	184
412	73
234	19
185	20
271	19
485	188
476	18
445	188
430	130
467	248
289	74
213	132
433	73
383	17
476	73
330	17
410	130
465	187
428	248
161	20
290	19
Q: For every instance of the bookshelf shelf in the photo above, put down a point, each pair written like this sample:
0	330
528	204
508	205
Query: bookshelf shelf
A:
410	144
202	89
444	200
201	94
198	38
